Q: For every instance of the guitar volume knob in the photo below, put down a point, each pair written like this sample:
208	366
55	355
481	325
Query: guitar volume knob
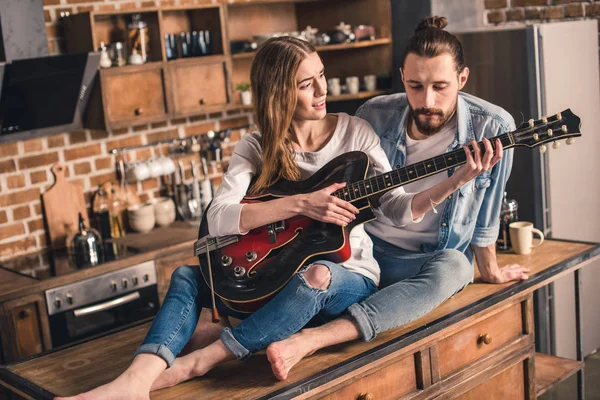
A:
251	256
226	261
238	272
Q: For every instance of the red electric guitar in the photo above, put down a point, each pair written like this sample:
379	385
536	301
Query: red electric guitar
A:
248	270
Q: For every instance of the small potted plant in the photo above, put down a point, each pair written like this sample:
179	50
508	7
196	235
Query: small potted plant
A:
245	93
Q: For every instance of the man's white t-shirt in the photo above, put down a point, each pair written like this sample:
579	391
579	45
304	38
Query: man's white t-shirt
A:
412	236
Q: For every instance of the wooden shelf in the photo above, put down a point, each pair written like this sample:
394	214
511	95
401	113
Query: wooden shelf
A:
332	47
239	3
196	59
551	370
131	68
358	96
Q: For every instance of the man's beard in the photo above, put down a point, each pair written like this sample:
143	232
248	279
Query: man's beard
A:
429	127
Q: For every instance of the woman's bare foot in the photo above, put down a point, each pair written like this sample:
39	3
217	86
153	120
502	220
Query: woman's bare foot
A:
134	383
285	354
126	386
195	364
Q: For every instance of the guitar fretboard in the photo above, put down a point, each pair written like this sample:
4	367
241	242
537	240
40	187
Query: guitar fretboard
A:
403	175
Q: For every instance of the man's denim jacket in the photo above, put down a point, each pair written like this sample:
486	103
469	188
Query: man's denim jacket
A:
472	214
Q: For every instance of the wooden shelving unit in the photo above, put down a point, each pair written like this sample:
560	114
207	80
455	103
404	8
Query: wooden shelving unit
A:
551	370
162	89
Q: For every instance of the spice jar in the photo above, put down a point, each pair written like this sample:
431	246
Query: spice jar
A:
138	36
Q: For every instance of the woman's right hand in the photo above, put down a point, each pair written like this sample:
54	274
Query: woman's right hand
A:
322	206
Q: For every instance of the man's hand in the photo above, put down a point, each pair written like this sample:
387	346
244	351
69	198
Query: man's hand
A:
491	272
511	272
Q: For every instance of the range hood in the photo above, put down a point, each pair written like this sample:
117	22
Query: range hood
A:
45	95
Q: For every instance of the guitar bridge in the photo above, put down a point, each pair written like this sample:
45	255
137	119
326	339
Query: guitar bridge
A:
273	228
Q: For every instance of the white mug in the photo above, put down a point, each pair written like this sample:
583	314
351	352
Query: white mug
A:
333	86
137	171
521	237
156	167
353	84
370	83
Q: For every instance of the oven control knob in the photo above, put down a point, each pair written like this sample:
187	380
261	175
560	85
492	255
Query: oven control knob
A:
134	280
69	298
125	283
57	303
113	286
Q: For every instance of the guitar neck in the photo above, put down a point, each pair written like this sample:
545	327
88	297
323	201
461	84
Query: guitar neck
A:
401	176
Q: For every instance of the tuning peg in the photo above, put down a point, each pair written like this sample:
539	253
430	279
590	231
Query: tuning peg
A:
542	149
545	120
570	141
531	124
550	132
558	116
536	136
555	145
564	129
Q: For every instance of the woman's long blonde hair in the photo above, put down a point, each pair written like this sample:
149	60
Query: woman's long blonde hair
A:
274	88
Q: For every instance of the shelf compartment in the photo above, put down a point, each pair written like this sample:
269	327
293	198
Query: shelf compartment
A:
551	370
333	47
176	20
112	28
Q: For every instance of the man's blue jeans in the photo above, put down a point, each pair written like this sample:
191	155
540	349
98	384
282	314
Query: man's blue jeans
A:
288	312
412	284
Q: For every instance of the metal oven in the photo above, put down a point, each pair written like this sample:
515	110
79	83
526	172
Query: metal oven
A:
82	309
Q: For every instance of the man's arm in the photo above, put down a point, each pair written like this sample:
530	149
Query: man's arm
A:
485	235
491	272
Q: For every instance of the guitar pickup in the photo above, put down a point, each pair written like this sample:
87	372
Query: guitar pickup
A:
272	230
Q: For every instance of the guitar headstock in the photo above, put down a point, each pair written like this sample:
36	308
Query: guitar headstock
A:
564	125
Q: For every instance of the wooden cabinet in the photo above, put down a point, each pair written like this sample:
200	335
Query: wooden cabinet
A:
203	84
25	330
134	96
198	86
165	266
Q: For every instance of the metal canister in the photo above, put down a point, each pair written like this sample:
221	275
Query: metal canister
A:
508	214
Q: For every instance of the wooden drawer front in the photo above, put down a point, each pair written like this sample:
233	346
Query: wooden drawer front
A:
509	384
390	382
467	345
133	98
27	329
198	86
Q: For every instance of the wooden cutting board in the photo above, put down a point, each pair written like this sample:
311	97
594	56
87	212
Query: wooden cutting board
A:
62	204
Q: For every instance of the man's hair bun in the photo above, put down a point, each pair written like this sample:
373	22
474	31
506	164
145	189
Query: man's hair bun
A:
434	22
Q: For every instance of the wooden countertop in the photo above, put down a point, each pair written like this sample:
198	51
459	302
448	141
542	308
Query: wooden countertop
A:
82	367
179	236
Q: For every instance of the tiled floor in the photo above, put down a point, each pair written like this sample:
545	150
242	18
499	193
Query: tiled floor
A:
568	389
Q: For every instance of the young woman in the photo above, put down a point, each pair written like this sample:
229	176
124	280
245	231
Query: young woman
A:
296	138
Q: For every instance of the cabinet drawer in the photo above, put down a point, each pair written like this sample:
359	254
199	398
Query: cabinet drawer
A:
509	384
479	339
198	87
132	98
396	379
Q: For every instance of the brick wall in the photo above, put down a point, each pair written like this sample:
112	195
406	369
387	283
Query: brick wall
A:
531	11
25	166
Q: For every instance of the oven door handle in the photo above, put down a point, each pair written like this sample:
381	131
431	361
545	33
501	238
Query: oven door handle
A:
108	305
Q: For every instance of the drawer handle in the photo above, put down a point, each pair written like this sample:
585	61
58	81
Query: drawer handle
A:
23	314
365	396
485	339
139	111
201	102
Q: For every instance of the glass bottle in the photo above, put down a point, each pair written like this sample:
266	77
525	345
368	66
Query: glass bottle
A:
138	36
116	219
102	215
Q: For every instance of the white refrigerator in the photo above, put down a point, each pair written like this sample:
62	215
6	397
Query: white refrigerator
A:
534	71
